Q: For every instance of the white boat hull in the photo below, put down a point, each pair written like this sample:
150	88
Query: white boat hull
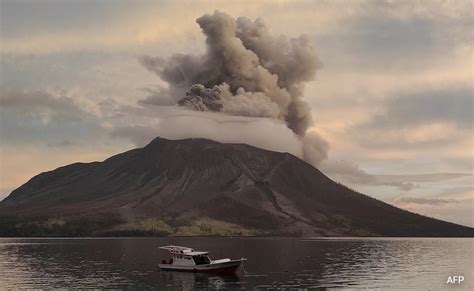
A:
220	266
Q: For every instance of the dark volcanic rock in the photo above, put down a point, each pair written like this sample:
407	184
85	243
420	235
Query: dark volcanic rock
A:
182	180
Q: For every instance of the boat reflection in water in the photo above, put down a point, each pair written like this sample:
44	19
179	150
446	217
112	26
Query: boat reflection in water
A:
193	281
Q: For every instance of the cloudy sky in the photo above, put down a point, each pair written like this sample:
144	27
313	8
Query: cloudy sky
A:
393	97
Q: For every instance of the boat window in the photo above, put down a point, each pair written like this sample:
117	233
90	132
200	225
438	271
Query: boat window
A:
201	260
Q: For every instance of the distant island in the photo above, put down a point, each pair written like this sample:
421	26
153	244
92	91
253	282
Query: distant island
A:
199	187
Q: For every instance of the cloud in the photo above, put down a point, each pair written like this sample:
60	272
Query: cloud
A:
429	201
78	26
59	25
42	104
451	204
381	39
158	97
60	144
402	36
429	118
452	105
430	177
345	172
43	117
178	123
352	174
245	71
139	135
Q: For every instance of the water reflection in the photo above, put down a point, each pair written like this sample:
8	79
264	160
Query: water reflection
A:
191	281
273	263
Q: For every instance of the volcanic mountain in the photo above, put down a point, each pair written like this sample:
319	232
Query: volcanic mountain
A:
178	187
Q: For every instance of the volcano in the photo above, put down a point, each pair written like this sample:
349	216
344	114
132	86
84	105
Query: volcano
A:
203	187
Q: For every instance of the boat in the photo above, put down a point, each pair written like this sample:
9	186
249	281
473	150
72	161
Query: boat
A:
188	260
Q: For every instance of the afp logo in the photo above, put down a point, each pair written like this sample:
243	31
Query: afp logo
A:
455	279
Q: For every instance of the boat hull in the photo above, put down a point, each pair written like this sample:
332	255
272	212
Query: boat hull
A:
226	268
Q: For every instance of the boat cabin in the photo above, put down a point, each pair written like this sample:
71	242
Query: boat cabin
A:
184	256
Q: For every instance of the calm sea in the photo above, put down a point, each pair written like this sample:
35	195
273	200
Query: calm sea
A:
273	263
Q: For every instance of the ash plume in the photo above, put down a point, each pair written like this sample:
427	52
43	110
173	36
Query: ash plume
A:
246	71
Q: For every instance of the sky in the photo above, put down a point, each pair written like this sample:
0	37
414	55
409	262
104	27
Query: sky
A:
392	98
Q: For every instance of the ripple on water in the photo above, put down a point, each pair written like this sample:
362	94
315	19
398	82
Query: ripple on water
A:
273	263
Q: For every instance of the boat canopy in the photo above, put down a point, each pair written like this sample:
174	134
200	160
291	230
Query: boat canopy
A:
183	250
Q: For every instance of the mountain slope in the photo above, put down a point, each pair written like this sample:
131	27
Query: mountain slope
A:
176	183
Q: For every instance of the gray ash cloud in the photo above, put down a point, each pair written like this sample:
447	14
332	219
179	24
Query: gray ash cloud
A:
245	71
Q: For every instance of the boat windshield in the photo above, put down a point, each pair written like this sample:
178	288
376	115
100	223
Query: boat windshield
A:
201	260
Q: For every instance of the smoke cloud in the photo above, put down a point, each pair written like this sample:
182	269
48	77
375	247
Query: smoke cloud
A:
177	123
246	71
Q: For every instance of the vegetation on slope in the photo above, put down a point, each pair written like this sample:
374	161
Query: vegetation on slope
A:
108	225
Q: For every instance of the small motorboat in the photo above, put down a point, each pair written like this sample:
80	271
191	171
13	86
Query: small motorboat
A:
188	260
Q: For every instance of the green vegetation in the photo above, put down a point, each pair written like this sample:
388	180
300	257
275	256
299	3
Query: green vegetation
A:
14	226
156	225
210	227
146	227
199	227
109	225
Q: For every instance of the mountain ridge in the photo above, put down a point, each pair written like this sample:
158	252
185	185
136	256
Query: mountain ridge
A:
203	184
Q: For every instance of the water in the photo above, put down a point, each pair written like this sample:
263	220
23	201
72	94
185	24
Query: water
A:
273	263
